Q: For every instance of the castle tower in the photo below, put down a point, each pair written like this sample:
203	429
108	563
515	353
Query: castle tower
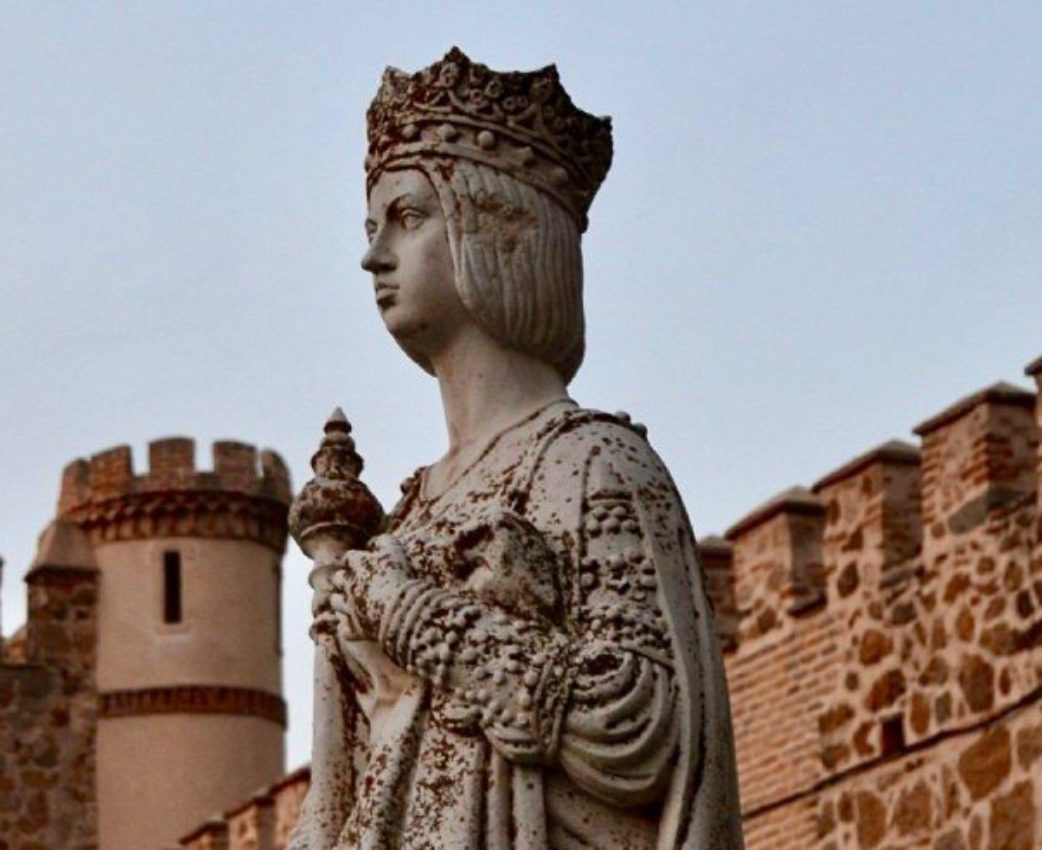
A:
190	711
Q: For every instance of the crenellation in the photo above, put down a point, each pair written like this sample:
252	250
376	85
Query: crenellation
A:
872	523
1034	370
777	561
929	635
237	468
236	465
75	485
236	500
275	480
111	473
717	559
779	596
872	535
978	455
132	662
212	835
251	826
171	463
288	794
263	822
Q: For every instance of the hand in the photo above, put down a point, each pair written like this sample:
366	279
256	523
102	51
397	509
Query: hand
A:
360	587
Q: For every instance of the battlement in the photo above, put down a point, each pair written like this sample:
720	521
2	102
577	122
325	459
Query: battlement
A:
263	822
978	454
776	562
171	466
245	496
894	603
861	530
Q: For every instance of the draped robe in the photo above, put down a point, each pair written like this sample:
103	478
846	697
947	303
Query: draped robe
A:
548	676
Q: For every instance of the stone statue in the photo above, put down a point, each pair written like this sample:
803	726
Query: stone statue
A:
525	658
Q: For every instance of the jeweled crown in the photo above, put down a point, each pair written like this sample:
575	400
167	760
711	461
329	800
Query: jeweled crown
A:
522	123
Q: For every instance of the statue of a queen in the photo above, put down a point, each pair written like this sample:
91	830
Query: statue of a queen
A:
525	658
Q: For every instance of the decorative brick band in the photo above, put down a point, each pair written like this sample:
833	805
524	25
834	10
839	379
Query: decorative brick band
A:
184	513
193	699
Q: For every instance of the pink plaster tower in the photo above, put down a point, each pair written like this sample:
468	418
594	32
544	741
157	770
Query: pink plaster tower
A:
189	673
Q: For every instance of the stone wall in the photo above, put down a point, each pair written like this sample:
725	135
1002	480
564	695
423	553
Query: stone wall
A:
264	822
886	674
48	717
883	640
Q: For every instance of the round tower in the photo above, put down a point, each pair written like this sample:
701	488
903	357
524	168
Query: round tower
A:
189	674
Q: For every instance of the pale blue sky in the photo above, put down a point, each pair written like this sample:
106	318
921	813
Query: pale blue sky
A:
823	225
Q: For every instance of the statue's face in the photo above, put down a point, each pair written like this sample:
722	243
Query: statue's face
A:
411	264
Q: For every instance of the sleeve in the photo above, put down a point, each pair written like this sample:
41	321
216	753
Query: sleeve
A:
590	687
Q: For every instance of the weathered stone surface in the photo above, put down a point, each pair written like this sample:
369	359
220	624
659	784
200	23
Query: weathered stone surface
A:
1029	746
951	840
1011	825
929	636
964	625
848	580
874	647
935	673
977	680
835	718
999	639
47	716
942	708
871	820
886	690
913	811
986	763
920	714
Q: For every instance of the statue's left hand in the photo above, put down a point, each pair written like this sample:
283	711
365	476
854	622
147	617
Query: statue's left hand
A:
363	584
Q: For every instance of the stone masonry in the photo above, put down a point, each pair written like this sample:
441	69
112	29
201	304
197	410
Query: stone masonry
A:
48	715
884	642
882	632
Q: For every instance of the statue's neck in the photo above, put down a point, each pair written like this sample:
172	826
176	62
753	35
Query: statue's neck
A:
486	387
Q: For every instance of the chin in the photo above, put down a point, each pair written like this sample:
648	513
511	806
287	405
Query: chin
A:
398	325
415	351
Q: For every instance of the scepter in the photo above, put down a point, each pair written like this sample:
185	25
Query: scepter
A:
335	512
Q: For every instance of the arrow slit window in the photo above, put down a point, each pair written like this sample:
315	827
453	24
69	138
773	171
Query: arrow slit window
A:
171	587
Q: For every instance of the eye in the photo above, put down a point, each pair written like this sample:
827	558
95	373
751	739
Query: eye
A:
411	218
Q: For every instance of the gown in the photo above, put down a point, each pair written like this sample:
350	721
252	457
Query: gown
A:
551	679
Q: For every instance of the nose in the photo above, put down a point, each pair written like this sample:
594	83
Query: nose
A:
378	258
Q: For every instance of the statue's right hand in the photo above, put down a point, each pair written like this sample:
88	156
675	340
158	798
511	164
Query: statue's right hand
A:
323	630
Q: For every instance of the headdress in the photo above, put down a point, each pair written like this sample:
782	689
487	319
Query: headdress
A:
521	123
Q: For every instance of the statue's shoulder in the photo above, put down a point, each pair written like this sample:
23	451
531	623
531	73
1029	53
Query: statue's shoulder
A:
576	440
581	430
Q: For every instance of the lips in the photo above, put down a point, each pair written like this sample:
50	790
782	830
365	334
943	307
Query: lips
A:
385	295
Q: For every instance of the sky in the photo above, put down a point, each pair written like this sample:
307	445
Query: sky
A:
823	224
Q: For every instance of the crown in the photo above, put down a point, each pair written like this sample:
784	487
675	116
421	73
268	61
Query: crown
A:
521	123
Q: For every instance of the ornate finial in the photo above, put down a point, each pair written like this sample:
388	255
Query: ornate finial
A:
338	419
335	511
336	458
522	123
